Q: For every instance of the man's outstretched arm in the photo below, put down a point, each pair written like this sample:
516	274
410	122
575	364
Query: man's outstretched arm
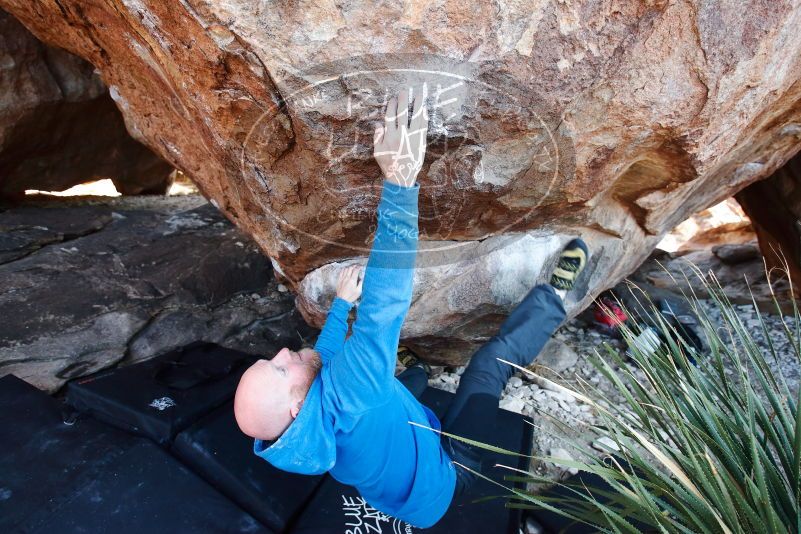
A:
367	367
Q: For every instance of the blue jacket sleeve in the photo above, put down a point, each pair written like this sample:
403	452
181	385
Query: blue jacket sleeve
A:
363	373
332	338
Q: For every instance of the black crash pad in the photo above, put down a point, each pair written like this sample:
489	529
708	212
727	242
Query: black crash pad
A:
337	508
218	451
160	397
83	476
553	523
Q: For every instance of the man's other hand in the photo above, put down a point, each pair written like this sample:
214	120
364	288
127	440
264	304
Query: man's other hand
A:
349	284
399	145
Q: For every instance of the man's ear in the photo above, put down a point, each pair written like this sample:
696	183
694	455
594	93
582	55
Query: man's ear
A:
294	410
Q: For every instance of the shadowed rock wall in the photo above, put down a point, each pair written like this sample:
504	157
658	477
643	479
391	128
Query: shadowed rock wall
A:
58	125
774	207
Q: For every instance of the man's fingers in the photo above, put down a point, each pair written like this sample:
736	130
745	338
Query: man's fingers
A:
396	113
420	113
353	273
360	273
403	109
390	115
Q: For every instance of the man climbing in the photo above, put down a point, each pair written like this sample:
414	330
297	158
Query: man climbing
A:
339	407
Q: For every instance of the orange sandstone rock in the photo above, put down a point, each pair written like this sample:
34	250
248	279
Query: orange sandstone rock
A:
612	120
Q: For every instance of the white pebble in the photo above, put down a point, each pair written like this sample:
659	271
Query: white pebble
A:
567	397
532	527
562	454
547	385
605	444
512	404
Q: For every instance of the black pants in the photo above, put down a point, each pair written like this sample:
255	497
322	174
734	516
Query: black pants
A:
473	412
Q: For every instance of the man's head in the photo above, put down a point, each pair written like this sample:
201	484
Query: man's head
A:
271	392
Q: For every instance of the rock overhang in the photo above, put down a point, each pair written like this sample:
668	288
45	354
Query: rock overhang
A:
662	108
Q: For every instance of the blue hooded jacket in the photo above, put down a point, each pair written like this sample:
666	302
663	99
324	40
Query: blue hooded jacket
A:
355	420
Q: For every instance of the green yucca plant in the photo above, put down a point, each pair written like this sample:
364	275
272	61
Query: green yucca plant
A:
700	449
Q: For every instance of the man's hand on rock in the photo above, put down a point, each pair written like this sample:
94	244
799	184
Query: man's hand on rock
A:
399	145
349	283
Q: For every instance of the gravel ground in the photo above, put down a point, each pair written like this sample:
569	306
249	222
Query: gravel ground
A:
522	395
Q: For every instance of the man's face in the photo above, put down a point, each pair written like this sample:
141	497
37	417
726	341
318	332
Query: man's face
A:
271	392
290	367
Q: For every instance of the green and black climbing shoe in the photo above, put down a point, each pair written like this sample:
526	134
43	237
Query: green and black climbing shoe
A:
408	359
571	262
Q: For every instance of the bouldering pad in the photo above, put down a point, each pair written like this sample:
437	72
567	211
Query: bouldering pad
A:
160	397
553	523
83	476
219	452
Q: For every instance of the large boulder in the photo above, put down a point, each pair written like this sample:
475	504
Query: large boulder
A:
610	120
87	287
59	126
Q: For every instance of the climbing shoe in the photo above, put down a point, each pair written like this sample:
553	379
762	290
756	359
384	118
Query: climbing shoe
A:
571	262
408	358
